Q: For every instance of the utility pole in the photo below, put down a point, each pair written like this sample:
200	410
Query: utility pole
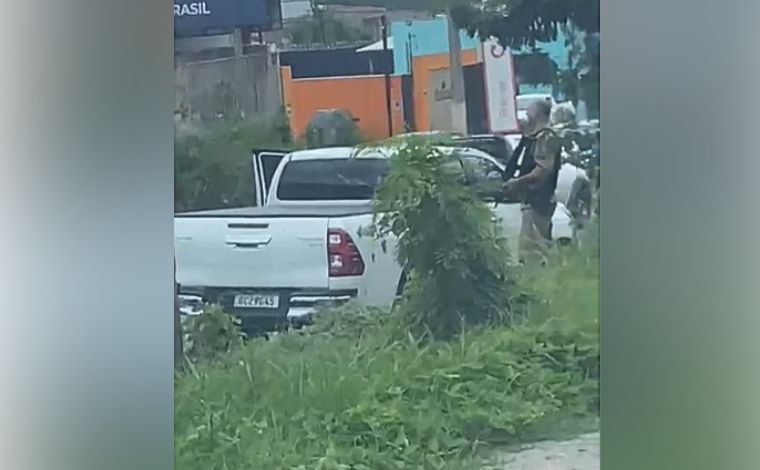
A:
237	42
388	107
410	124
318	11
456	76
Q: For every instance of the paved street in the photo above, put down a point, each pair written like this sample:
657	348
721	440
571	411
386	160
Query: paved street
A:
581	453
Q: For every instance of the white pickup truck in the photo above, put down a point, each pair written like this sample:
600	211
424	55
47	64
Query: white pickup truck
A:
308	241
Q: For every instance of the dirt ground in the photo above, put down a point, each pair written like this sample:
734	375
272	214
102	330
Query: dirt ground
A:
581	453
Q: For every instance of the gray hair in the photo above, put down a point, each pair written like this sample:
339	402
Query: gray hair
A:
544	108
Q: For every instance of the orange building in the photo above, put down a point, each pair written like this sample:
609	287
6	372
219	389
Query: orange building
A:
422	66
362	96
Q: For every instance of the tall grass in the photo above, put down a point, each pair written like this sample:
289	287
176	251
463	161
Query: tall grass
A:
362	390
213	169
359	395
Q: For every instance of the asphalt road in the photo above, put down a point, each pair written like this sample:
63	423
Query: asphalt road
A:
581	453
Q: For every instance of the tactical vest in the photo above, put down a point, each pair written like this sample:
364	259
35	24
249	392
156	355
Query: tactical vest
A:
541	195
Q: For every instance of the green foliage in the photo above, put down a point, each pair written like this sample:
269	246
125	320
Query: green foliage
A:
456	258
581	79
520	23
324	29
419	5
369	402
590	77
351	392
517	23
351	321
213	169
211	335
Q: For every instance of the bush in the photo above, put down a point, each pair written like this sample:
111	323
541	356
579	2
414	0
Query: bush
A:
368	402
456	258
351	321
351	392
212	335
213	169
333	128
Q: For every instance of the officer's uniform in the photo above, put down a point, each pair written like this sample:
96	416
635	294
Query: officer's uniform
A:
537	162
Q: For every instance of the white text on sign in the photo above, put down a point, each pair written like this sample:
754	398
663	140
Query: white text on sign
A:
192	9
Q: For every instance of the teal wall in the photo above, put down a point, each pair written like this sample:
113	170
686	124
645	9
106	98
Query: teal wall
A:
430	37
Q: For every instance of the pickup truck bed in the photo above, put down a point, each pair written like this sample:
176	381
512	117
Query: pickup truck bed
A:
277	263
301	211
307	242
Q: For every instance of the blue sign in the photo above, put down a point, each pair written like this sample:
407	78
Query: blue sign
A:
195	17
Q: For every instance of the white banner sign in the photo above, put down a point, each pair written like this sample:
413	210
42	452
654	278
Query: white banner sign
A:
498	72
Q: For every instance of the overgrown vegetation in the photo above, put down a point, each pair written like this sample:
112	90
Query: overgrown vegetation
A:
368	389
332	128
518	23
454	255
325	29
213	168
357	395
211	336
418	5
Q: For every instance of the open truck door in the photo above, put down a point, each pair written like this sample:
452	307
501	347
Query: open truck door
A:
264	164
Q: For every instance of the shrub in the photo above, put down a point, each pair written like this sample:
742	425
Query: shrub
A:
333	128
350	321
213	169
212	335
351	392
373	402
456	258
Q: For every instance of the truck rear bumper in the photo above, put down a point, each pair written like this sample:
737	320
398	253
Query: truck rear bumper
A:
296	306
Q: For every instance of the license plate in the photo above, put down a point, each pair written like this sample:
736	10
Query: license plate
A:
257	301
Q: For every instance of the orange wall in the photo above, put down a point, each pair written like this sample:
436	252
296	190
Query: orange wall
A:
421	67
286	80
362	96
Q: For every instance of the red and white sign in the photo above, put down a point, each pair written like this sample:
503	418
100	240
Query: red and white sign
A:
499	76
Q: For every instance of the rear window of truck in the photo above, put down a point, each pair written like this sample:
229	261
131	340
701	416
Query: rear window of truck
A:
331	179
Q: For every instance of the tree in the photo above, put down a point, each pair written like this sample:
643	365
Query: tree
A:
581	79
521	23
518	23
323	28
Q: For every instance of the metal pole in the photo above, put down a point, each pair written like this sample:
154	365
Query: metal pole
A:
237	41
458	105
388	107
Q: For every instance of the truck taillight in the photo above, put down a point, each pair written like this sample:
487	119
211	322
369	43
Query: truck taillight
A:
342	254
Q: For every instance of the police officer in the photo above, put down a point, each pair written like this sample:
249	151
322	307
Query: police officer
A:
537	162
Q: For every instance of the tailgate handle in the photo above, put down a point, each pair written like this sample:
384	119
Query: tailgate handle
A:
248	242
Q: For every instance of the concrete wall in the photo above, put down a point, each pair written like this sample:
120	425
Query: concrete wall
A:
439	100
247	86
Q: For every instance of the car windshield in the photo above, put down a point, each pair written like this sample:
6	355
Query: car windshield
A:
495	147
331	179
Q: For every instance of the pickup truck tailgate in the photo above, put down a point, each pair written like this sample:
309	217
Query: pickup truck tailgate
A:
267	252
